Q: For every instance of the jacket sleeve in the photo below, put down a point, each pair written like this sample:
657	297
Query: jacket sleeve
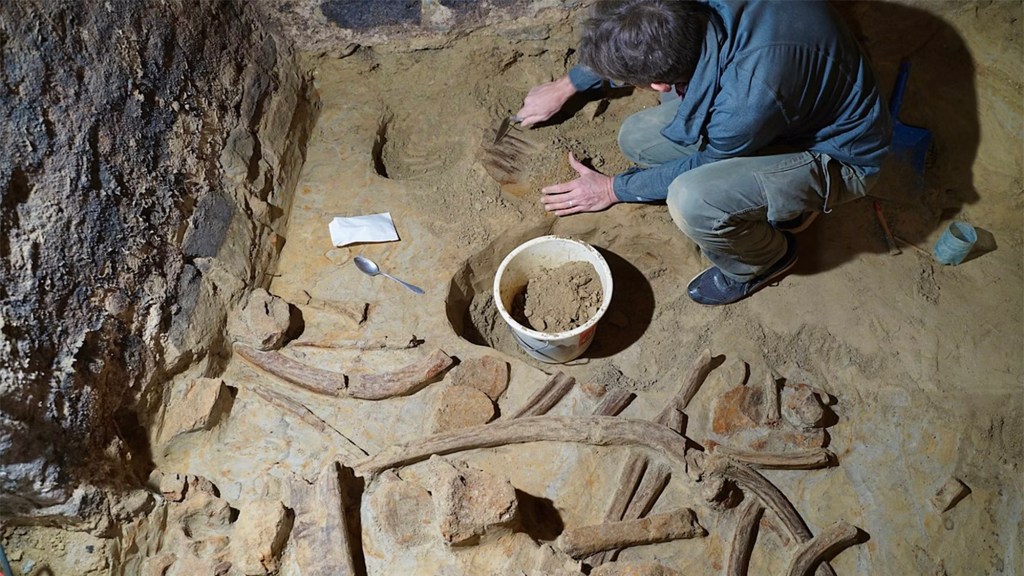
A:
584	78
743	120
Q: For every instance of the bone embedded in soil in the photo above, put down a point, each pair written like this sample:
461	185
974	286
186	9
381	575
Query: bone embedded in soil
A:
559	299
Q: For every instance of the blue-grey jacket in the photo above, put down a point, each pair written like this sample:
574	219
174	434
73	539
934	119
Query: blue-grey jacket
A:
771	73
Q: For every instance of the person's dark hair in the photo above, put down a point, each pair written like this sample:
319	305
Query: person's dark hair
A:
644	41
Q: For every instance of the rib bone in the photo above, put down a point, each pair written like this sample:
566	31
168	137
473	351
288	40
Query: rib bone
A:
831	541
773	499
546	397
400	382
700	370
772	412
322	540
593	430
351	450
745	538
614	402
653	484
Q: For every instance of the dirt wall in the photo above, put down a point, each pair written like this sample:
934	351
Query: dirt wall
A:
337	27
148	152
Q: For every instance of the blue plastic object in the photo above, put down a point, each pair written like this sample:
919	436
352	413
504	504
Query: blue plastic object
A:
909	143
4	564
956	243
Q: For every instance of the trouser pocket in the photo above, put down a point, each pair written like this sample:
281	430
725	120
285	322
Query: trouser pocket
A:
793	185
809	181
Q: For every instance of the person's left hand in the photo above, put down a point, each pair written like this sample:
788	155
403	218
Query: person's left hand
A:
591	192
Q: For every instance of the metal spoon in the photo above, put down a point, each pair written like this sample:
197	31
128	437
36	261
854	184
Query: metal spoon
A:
370	267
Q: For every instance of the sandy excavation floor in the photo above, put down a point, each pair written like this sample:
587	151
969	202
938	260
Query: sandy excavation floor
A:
923	361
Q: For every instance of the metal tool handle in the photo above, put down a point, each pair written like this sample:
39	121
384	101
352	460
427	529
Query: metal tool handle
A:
413	289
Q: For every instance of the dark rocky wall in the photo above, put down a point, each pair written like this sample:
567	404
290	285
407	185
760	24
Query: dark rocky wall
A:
148	151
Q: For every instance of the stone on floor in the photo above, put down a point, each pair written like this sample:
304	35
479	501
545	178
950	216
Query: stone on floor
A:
461	407
263	322
469	502
259	536
487	374
199	407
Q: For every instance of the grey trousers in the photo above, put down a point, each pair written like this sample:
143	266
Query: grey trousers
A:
725	207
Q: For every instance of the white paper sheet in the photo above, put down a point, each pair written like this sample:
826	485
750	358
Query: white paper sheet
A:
369	228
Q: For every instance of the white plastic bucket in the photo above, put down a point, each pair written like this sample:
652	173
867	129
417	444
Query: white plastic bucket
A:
528	261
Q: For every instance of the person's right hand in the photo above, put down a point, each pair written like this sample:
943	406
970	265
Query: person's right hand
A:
544	101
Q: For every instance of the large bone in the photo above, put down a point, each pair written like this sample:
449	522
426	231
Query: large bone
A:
828	543
614	402
322	541
802	460
545	398
400	382
746	536
773	499
593	430
698	373
587	540
351	450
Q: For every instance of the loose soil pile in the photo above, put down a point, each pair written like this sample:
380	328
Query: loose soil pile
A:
559	299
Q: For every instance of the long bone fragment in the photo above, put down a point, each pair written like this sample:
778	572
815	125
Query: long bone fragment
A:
698	373
614	402
652	484
828	543
746	536
587	540
404	380
770	396
351	450
322	538
773	498
629	482
593	430
803	460
372	344
546	397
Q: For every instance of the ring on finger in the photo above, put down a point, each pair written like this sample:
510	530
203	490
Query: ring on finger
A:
570	204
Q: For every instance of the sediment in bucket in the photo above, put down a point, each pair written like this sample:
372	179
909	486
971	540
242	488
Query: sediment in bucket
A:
528	261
